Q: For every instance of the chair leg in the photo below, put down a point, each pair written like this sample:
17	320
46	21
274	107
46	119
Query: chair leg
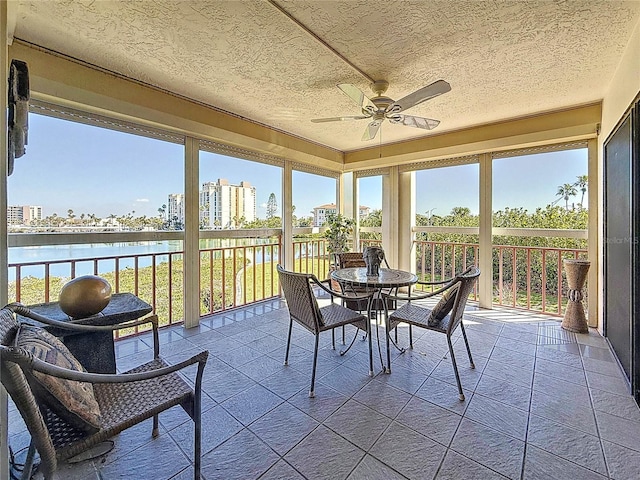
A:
312	392
410	336
197	450
342	352
369	335
466	342
333	339
155	432
388	335
343	342
28	463
395	344
197	423
286	355
455	369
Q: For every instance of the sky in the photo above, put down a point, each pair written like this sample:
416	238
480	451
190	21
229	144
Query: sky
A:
528	181
93	170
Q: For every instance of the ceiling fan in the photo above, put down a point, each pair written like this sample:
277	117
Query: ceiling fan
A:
380	107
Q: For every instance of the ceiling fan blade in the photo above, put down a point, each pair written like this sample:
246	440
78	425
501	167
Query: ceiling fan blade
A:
371	130
411	121
419	96
358	97
338	119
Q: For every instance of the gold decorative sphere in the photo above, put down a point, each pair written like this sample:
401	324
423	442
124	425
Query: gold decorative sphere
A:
85	296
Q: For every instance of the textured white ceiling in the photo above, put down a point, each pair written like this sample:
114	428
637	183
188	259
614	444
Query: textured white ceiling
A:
503	59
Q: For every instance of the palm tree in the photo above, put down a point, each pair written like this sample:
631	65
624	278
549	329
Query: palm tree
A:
581	183
565	191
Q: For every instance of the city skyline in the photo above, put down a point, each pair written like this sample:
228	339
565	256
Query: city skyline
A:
107	172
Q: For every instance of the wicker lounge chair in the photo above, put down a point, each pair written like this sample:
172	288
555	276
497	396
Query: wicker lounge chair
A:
444	317
124	399
304	309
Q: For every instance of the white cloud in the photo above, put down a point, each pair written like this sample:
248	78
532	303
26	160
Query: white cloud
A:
142	200
263	205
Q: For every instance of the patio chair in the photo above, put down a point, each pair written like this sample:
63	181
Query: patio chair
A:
355	260
68	411
304	309
352	260
444	317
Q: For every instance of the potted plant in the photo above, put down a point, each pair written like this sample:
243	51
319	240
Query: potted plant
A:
338	233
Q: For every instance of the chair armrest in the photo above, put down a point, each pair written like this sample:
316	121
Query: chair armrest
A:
27	360
423	295
20	309
441	282
339	295
77	327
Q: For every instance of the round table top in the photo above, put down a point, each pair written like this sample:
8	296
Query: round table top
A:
387	278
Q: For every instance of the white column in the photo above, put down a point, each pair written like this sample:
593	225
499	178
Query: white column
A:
191	233
593	240
390	206
287	219
347	204
406	221
485	262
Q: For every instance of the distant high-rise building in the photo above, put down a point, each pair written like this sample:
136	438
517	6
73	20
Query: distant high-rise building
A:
223	205
23	214
321	213
175	210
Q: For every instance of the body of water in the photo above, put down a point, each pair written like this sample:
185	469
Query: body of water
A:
64	253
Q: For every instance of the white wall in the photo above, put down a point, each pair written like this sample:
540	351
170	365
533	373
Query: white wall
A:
624	87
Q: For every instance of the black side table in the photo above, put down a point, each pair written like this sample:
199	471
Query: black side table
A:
94	350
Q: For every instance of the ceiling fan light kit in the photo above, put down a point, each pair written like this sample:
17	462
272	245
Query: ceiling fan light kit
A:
380	107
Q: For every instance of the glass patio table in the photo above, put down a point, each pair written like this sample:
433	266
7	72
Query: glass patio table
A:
386	279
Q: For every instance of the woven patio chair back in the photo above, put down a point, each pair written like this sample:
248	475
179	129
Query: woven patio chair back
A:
301	301
16	385
466	282
350	259
354	259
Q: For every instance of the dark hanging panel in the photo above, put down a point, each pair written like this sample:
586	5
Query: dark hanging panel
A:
622	245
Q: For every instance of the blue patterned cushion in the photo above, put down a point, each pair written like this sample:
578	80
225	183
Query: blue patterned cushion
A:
73	401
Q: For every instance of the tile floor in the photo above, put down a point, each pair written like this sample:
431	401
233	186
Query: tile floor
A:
541	403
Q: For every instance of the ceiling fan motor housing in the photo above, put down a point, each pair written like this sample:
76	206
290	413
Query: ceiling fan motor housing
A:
380	107
381	104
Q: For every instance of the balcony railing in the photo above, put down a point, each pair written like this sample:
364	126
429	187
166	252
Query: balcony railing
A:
531	277
437	261
523	277
235	276
156	278
231	276
311	256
